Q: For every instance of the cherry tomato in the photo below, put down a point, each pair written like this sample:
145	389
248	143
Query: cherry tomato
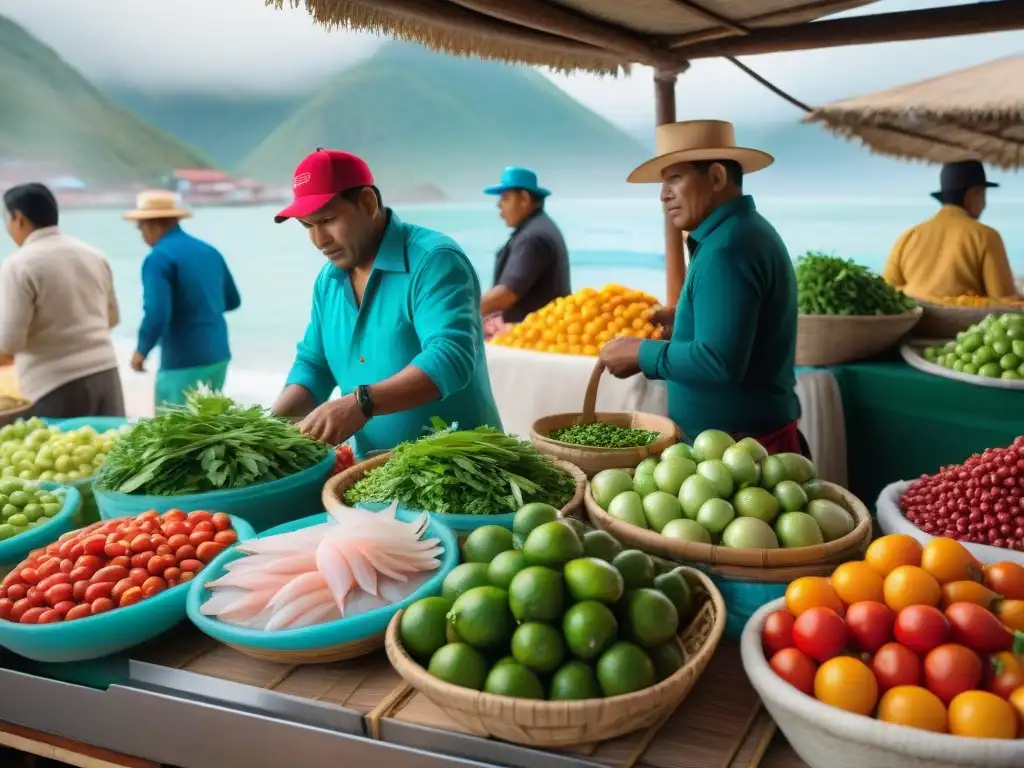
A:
187	552
777	634
52	581
173	528
200	515
164	549
221	521
173	515
820	633
225	537
978	629
79	588
119	589
153	585
121	560
131	597
199	537
172	574
951	669
31	616
208	550
6	604
895	665
102	605
30	575
78	612
96	591
202	526
91	561
110	573
921	628
58	593
1004	674
177	541
796	668
1007	579
870	624
50	616
140	560
48	568
19	608
95	544
35	597
17	591
190	565
115	548
141	543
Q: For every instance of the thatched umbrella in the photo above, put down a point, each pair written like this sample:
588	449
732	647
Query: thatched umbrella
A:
974	113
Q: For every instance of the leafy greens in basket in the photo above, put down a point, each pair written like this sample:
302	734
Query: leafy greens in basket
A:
472	472
210	444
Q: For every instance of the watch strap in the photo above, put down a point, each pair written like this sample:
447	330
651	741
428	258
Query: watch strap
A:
364	400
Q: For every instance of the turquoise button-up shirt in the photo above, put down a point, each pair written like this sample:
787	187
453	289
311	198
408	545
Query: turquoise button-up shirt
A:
421	307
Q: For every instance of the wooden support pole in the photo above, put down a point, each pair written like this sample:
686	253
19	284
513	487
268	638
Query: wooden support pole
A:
665	112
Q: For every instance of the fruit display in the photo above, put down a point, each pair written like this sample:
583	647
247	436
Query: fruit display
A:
909	635
24	506
968	301
468	472
993	348
829	285
547	612
600	435
34	450
112	564
581	323
980	501
724	492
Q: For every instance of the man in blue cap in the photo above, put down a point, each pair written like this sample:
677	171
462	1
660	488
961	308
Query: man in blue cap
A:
532	268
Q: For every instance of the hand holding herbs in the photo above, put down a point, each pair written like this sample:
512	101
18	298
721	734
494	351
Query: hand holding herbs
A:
210	444
598	435
471	472
829	285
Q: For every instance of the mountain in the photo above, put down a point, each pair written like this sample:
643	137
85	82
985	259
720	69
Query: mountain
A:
419	117
50	113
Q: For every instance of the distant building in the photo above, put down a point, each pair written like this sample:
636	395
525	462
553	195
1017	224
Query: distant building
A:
207	186
15	171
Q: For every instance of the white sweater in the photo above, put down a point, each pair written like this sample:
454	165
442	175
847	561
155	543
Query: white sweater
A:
57	306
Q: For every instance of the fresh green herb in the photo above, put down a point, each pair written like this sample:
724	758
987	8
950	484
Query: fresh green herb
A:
210	444
829	285
472	472
599	435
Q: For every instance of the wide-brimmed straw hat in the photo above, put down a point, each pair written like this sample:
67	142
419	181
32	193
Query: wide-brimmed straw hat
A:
694	140
157	204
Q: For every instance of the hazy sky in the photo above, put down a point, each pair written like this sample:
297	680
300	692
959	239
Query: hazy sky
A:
240	44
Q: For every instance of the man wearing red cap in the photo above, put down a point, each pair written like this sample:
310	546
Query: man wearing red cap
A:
395	321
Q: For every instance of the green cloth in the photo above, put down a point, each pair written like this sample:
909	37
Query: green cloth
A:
729	364
172	384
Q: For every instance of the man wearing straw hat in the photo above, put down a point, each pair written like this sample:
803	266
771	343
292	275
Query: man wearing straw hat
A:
187	287
729	364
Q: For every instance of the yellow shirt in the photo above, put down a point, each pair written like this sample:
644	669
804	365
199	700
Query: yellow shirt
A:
951	254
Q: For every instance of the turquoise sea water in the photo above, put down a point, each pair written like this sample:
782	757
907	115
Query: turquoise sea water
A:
609	240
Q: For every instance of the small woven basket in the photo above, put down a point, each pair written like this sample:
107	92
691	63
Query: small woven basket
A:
943	322
590	459
547	724
835	339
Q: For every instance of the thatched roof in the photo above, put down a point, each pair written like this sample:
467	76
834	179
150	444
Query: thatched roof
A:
971	113
597	35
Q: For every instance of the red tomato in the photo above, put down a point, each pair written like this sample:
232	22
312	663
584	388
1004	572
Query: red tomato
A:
978	629
187	552
820	633
58	593
102	605
1004	674
796	668
78	612
870	624
951	669
16	592
49	617
896	665
31	616
208	550
225	537
921	628
173	528
52	581
777	634
110	573
200	537
221	521
6	604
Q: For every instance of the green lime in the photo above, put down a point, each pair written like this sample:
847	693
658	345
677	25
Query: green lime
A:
636	567
529	517
504	660
675	586
552	545
667	658
504	567
791	496
464	577
423	626
574	680
538	646
601	544
588	578
481	617
6	531
643	483
450	634
49	509
32	511
578	526
18	520
512	679
459	664
646	467
537	594
589	627
624	668
486	543
19	498
652	619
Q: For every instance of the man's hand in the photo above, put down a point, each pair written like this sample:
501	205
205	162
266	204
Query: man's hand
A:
138	362
621	357
335	421
664	317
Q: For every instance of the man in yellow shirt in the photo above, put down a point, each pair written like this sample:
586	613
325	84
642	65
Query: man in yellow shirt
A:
953	254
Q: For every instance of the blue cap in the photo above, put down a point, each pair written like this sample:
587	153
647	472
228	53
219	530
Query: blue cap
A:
515	177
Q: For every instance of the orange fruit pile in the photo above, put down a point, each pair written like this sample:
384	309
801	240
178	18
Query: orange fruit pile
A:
581	323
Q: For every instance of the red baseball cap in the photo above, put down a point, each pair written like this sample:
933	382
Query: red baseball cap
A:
320	177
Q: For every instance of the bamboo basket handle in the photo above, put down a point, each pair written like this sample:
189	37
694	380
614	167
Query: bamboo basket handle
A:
590	398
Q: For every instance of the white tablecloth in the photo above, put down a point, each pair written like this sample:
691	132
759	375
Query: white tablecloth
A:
528	385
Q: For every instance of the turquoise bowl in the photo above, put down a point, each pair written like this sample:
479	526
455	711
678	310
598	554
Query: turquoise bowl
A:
14	549
461	524
743	599
96	636
325	635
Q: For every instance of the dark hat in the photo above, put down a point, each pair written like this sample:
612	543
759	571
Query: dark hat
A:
961	176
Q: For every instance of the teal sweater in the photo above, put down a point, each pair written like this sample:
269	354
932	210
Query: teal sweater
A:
729	364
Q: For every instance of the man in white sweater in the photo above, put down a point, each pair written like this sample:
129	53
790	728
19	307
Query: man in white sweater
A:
57	306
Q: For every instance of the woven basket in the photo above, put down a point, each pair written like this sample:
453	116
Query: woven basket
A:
835	339
593	460
758	565
547	724
942	322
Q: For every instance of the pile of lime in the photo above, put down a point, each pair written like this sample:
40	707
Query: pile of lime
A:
551	610
24	505
720	491
993	348
34	450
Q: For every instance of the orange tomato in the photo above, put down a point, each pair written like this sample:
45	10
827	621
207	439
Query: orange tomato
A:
909	585
948	560
968	592
1004	675
982	715
1017	702
846	683
1007	579
812	592
856	582
890	552
1011	613
913	706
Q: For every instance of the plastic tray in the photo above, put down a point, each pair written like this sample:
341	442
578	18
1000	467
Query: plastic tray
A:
331	633
14	549
96	636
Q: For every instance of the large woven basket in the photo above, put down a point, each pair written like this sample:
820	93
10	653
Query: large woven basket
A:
835	339
547	724
943	322
759	565
592	460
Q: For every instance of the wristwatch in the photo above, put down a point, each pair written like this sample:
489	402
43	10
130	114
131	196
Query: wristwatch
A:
365	401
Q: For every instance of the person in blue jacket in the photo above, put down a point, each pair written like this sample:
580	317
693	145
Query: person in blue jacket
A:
187	287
